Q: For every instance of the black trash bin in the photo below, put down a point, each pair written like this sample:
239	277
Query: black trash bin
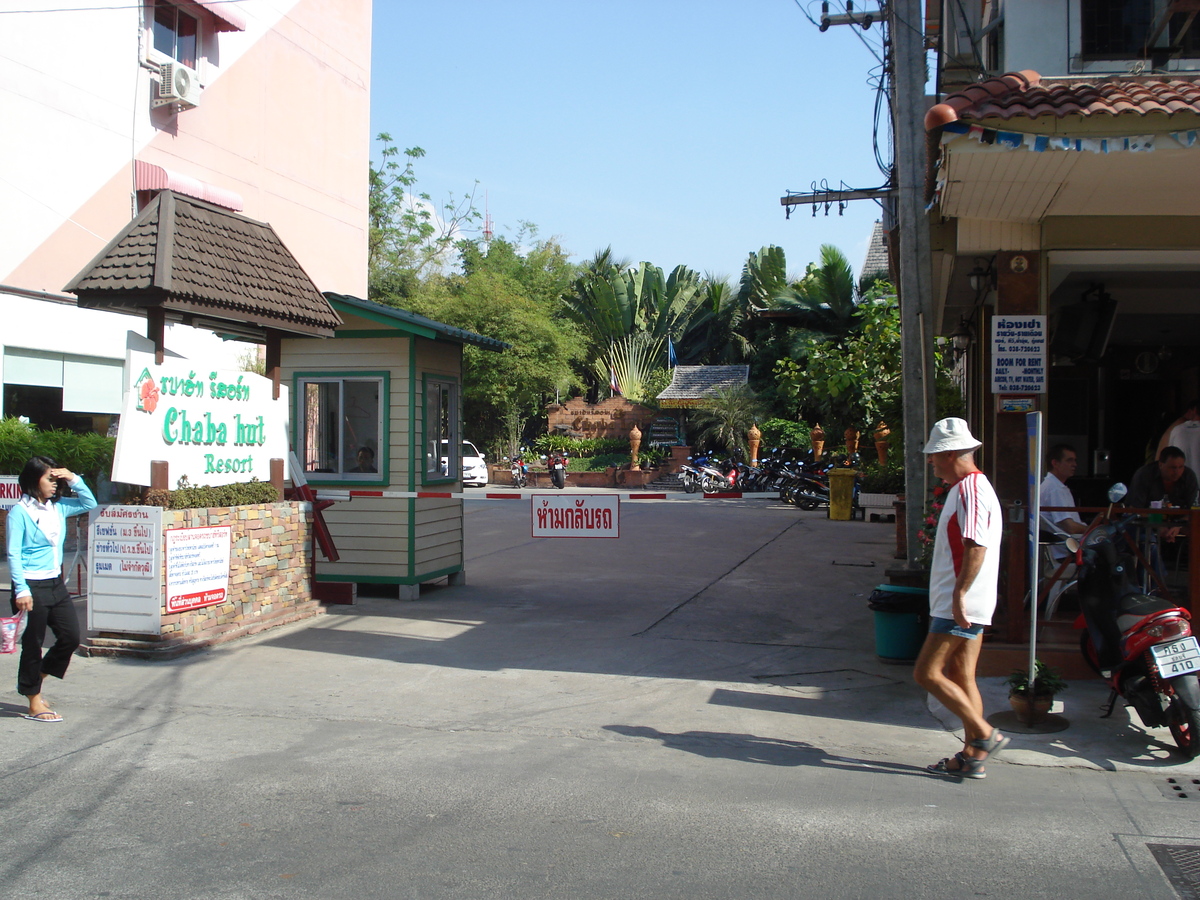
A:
901	621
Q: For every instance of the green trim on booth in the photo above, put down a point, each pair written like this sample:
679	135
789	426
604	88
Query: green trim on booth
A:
385	445
417	452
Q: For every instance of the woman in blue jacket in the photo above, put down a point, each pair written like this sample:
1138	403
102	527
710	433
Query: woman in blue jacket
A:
37	530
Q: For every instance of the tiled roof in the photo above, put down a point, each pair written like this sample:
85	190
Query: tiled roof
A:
409	322
702	382
193	258
1027	95
877	253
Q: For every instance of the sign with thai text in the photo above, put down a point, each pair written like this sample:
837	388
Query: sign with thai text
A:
197	567
10	491
125	569
1018	354
212	426
576	516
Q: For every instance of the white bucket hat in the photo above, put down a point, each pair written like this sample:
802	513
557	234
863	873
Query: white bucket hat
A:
950	434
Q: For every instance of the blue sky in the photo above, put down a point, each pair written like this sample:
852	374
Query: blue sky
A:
666	129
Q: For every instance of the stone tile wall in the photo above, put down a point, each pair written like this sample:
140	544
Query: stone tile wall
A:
269	565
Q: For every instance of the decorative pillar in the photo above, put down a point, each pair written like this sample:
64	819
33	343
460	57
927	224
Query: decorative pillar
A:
817	439
635	443
882	432
754	439
851	440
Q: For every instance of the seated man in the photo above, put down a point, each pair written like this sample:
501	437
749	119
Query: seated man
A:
1168	482
1061	463
366	460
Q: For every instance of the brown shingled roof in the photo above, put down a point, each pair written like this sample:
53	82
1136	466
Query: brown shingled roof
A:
1027	95
195	259
696	385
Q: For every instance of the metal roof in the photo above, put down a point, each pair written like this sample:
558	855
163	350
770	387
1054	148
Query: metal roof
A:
410	322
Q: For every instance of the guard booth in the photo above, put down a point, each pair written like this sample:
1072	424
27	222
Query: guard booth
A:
375	426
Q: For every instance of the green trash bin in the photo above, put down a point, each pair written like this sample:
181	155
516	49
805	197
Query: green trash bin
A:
901	621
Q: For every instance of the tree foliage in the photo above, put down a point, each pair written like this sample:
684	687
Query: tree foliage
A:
409	236
724	422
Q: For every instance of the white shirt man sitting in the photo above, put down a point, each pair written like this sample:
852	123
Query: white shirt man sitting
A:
1054	492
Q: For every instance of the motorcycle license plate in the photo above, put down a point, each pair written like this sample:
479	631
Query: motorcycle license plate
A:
558	465
1178	657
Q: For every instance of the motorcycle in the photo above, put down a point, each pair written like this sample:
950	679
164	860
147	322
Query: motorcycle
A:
712	479
1142	646
520	471
557	465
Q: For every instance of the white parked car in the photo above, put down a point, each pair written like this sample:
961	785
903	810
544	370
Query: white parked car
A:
474	466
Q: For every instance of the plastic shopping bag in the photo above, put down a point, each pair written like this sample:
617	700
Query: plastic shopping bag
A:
11	629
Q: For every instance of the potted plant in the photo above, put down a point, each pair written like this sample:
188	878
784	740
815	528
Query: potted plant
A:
1032	707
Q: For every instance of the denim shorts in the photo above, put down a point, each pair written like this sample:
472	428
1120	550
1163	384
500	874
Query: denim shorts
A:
949	626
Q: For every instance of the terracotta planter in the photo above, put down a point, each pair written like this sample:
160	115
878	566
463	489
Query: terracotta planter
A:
1030	711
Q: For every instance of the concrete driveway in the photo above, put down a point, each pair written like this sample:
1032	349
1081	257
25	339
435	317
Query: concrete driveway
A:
694	710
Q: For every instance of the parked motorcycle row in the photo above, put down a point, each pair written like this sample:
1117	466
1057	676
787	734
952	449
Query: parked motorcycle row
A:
799	479
556	465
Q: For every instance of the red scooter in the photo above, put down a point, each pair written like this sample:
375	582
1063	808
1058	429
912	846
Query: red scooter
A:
1142	646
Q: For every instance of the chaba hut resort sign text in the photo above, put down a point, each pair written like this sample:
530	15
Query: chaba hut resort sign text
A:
211	426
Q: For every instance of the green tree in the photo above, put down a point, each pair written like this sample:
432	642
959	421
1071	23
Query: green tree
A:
822	304
857	382
612	305
511	297
409	236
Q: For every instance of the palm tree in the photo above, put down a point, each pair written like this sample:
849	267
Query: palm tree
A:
725	420
823	302
612	305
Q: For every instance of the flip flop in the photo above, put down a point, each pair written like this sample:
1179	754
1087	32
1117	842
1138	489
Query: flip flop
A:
42	716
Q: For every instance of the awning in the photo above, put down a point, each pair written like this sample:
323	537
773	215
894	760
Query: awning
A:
149	177
228	17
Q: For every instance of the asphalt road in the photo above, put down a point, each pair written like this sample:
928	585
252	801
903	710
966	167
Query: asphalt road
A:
692	711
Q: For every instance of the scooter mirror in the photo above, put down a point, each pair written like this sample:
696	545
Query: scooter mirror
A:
1117	492
1071	544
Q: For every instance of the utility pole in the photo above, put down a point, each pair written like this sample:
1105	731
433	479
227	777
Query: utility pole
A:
907	58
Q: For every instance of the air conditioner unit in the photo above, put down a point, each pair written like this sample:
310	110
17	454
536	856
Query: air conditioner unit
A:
179	84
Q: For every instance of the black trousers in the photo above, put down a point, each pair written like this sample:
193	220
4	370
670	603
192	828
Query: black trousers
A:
52	607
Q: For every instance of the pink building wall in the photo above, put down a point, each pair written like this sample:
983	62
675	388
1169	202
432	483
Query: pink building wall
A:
283	122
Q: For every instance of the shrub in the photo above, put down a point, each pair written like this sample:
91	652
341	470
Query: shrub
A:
87	454
785	433
203	497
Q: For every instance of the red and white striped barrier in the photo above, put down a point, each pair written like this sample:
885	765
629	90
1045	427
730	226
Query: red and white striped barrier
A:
472	495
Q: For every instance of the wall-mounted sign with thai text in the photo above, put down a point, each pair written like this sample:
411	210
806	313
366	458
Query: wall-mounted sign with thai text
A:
1018	354
212	426
576	516
125	569
197	567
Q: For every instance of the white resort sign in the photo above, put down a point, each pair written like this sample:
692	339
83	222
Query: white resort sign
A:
576	515
214	426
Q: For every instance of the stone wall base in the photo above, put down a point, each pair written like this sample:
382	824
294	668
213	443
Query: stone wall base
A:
171	646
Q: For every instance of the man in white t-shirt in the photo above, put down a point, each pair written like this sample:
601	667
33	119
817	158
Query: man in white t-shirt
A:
962	594
1054	492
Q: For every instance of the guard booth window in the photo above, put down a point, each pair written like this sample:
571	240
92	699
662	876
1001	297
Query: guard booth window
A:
443	455
342	422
